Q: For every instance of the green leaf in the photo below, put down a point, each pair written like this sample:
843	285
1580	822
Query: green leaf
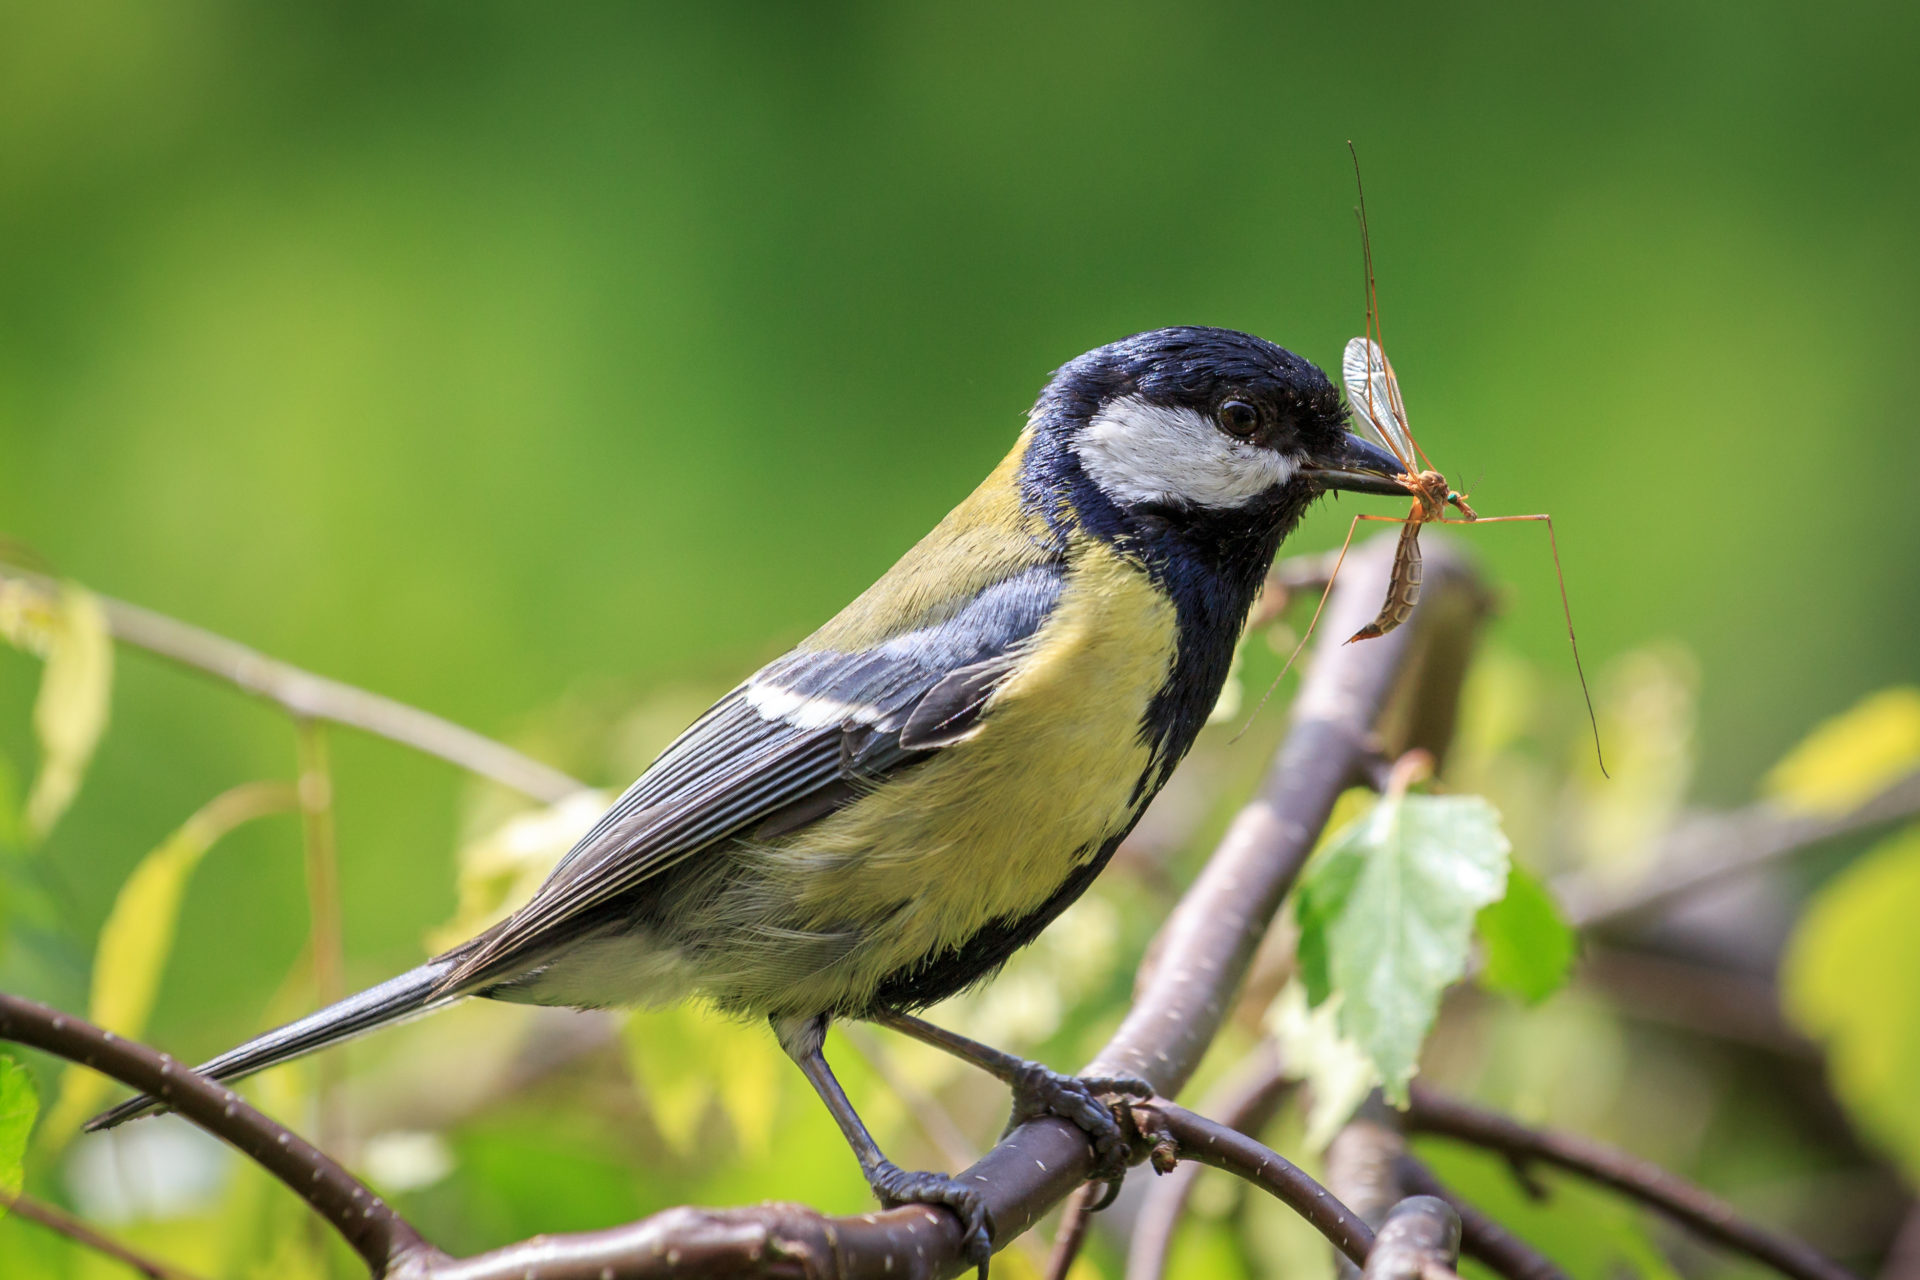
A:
19	1104
1386	913
1852	757
12	826
70	713
138	936
1851	979
1529	947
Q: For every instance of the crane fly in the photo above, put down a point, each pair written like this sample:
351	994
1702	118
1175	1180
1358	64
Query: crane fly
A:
1379	412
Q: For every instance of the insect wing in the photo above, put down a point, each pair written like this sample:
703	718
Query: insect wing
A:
1374	394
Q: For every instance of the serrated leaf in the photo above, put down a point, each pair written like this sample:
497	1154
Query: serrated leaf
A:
1386	912
1852	757
1529	948
138	936
19	1104
1851	979
70	713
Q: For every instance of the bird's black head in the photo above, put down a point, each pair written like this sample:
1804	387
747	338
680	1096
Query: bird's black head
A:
1195	428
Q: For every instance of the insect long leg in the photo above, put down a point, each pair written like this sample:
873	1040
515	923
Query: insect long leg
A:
1314	621
1566	609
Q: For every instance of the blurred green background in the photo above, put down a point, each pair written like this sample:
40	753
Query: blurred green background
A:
521	361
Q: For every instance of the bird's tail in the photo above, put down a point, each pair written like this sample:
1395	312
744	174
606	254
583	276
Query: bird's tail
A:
395	1000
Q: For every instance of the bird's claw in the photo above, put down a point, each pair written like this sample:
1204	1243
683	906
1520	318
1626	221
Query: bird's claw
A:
896	1186
1081	1102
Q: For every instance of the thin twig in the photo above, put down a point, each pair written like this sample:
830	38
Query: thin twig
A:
324	942
1075	1220
1651	1185
1245	1101
364	1221
1708	849
60	1222
1695	998
314	697
1481	1238
1202	1140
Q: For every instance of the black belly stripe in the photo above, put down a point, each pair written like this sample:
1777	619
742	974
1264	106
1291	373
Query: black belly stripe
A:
950	972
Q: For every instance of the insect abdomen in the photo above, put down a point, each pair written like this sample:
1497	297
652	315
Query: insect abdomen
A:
1403	588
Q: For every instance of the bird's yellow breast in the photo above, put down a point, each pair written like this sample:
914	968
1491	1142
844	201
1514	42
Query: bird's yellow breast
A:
988	829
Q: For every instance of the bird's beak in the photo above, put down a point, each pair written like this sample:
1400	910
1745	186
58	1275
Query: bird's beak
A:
1358	466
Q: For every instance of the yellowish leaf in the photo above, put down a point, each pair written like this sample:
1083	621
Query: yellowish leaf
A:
500	870
70	713
138	936
1853	757
1851	978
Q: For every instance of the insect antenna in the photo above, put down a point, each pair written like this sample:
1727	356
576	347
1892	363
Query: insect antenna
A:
1376	330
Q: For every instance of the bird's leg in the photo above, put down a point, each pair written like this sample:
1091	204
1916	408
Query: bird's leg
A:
802	1039
1038	1091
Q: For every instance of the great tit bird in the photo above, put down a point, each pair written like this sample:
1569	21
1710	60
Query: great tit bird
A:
879	818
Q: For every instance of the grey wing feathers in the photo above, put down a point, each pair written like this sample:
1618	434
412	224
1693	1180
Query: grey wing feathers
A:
802	736
395	1000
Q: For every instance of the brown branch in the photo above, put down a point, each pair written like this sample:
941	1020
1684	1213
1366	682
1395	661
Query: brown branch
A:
1245	1101
364	1221
1199	1139
1651	1185
1363	1162
60	1222
1420	1240
1481	1238
1707	849
1075	1220
312	697
1903	1255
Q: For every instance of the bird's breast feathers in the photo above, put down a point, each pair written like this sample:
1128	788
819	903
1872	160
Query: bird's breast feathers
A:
989	828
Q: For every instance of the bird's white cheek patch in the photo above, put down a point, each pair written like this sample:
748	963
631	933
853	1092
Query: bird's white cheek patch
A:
1141	452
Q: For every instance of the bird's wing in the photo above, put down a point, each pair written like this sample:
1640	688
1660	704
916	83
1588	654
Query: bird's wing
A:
805	735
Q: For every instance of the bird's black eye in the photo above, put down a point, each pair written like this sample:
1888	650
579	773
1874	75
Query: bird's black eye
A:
1239	418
